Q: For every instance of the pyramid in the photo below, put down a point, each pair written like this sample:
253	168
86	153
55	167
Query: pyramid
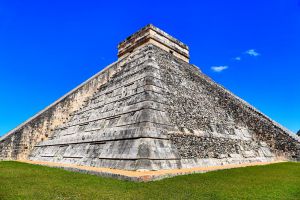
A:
150	110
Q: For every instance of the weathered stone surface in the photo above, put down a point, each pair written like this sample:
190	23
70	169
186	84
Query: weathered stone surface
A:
150	110
152	35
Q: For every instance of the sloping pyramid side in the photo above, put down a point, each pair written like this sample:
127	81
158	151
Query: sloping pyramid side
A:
18	143
123	125
215	127
159	112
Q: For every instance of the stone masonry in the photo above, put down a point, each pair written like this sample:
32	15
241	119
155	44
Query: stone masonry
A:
150	110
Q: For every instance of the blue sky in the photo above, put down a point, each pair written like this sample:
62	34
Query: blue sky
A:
49	47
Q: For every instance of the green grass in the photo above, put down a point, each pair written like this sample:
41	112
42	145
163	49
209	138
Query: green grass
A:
25	181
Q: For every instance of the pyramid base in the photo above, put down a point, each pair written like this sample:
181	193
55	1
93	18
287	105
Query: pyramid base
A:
156	165
146	176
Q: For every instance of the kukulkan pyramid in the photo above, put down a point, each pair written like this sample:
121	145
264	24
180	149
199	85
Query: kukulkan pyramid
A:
150	110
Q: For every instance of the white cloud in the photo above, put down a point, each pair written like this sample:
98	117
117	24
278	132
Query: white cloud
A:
219	68
238	58
252	52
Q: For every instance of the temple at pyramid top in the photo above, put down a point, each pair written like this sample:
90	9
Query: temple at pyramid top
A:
153	35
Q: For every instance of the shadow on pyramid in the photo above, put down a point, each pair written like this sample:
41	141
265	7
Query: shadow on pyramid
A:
150	110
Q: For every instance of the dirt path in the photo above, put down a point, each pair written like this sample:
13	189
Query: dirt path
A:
141	176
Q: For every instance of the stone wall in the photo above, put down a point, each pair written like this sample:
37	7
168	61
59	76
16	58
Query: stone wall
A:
191	146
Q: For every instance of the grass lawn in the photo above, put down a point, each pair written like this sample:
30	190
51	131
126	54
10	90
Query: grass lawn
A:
25	181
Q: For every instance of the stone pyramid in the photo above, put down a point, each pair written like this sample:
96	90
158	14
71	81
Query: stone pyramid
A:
150	110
